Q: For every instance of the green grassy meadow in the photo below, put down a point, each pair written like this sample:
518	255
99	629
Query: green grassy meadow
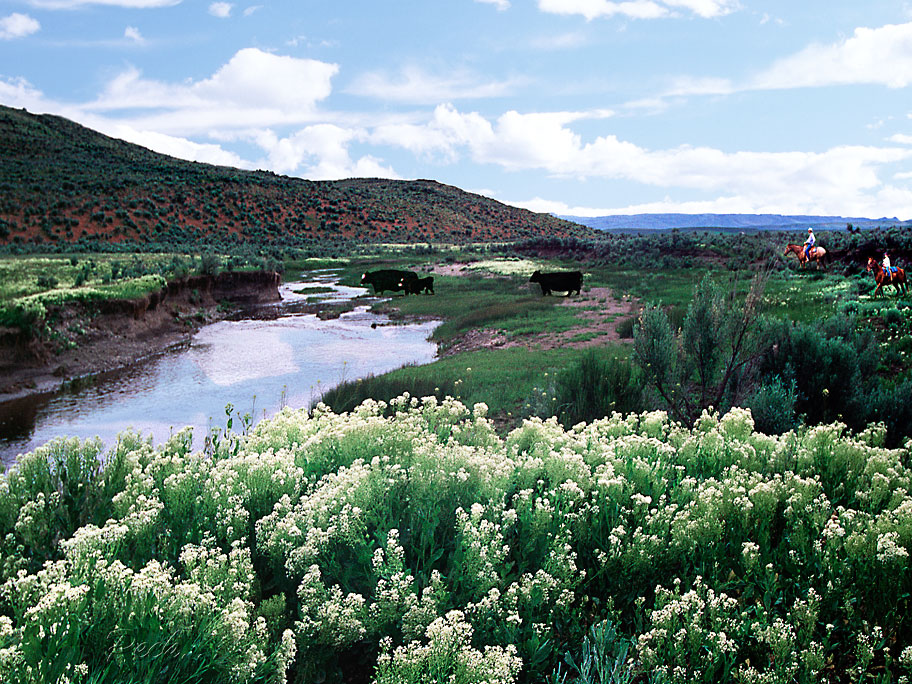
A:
514	515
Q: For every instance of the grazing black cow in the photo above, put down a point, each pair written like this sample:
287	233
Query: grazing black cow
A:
418	285
565	281
387	279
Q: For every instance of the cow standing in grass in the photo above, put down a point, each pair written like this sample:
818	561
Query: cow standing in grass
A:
418	285
388	279
564	281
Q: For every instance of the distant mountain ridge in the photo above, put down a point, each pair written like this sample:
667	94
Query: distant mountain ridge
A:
729	221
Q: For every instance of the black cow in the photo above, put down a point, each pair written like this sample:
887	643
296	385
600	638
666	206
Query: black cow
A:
565	281
418	285
387	279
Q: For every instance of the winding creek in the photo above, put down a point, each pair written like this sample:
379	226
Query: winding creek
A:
275	356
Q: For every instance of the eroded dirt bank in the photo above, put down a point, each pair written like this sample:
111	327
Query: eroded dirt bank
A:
85	339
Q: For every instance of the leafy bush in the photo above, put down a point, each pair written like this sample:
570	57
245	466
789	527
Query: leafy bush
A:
408	541
773	406
597	385
47	282
698	365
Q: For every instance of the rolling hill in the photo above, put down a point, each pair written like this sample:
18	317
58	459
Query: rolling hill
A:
61	182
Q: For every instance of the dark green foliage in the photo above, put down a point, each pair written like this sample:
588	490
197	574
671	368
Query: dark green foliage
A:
709	361
891	405
773	406
47	282
827	363
605	657
209	264
598	384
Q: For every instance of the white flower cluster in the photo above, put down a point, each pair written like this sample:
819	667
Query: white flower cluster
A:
428	526
448	656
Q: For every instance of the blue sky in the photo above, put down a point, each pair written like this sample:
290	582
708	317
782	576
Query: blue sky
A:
585	107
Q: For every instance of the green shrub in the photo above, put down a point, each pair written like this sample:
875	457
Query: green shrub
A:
597	385
416	543
773	406
892	317
47	282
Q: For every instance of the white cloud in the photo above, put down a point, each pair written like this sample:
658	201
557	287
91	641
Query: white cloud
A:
18	92
705	8
132	4
175	146
414	85
269	80
132	34
872	55
844	176
638	9
250	10
254	89
500	4
17	25
222	10
720	205
901	139
593	9
322	150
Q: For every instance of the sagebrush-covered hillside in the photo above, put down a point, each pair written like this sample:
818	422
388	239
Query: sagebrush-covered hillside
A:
63	182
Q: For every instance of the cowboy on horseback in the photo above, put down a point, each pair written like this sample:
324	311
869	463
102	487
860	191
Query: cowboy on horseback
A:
886	261
809	244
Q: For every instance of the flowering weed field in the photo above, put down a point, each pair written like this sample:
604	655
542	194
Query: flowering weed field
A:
424	547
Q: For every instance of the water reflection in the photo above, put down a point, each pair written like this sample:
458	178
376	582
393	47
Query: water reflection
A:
281	357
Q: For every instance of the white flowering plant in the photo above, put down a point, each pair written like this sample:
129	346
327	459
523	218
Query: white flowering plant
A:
418	543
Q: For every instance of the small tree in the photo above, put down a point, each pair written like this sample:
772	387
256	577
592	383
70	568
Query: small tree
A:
708	362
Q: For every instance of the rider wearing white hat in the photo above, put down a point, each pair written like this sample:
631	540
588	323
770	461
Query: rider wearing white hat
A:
809	243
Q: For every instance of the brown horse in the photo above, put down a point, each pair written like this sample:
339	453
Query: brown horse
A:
818	254
897	280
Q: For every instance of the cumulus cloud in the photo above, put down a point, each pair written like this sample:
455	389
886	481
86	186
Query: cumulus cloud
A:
638	9
254	89
322	152
222	10
17	25
844	176
270	80
871	55
515	141
414	85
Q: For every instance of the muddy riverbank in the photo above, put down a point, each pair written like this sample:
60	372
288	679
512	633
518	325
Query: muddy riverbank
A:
84	339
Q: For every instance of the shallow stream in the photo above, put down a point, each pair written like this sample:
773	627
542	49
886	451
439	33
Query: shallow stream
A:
274	356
